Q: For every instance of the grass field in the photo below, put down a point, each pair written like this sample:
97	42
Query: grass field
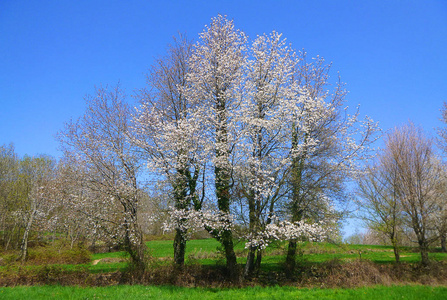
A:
170	292
205	252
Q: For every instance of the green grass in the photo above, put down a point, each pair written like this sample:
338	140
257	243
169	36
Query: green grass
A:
170	292
165	248
205	252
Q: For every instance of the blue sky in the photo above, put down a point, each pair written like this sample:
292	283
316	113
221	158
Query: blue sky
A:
391	54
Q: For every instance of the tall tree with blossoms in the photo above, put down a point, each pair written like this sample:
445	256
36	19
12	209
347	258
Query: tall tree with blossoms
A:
260	172
325	145
170	137
214	84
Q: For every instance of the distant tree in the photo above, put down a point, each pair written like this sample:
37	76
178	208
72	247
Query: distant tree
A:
36	185
356	238
440	216
26	197
9	197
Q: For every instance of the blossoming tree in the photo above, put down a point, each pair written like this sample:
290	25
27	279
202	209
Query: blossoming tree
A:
99	140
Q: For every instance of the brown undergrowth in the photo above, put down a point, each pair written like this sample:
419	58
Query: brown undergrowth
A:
330	274
49	256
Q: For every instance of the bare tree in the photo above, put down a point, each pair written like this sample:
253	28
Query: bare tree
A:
420	181
379	202
99	140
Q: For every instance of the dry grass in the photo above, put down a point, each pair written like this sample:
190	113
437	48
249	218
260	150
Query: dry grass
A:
46	255
330	274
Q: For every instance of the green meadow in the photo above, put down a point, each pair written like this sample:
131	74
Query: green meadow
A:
207	252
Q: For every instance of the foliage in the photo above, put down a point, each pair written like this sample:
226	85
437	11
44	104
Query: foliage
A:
249	128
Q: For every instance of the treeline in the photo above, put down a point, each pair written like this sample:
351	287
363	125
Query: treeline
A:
47	199
25	187
241	138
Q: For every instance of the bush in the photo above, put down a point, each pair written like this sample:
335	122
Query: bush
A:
49	255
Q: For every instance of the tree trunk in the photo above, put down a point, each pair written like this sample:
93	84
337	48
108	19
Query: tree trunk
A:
7	243
443	242
297	211
291	258
133	239
24	245
179	247
253	264
250	264
227	243
395	244
423	247
223	203
396	253
222	173
181	203
93	245
253	230
10	236
258	262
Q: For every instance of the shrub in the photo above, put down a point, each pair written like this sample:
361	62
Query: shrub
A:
50	255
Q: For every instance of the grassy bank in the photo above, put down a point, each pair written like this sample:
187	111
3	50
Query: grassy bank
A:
318	265
206	252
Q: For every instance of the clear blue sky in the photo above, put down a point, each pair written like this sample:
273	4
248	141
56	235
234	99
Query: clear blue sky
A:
391	54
